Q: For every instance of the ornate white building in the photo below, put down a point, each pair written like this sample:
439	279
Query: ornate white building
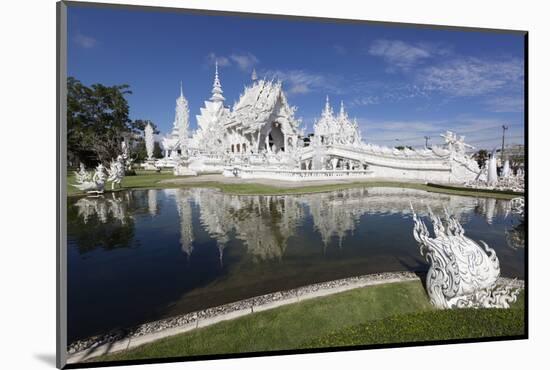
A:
178	138
210	135
331	129
259	137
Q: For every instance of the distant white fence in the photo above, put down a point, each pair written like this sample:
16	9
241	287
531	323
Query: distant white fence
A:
294	175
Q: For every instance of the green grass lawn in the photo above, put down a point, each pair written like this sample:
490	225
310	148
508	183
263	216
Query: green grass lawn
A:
388	313
152	180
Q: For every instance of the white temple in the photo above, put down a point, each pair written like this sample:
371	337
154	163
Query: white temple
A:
259	137
178	138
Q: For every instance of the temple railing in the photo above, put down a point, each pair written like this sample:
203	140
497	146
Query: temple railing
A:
293	175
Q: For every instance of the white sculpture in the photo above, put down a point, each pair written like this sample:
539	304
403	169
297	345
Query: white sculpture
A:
116	172
492	176
506	169
517	205
462	273
82	175
182	165
149	141
89	183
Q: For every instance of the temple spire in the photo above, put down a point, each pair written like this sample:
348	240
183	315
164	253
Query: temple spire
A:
254	75
342	110
217	88
181	88
328	110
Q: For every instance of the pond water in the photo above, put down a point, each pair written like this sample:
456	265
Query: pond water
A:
142	255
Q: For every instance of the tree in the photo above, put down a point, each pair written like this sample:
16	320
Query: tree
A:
157	152
97	121
481	156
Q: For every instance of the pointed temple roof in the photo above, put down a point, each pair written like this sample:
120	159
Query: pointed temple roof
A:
259	102
217	88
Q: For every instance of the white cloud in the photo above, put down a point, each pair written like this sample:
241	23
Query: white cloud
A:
86	42
479	131
364	101
472	76
403	55
339	49
505	104
244	61
302	82
222	61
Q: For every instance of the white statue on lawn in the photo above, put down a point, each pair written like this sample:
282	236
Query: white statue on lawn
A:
89	183
149	141
462	273
82	175
116	172
150	147
492	177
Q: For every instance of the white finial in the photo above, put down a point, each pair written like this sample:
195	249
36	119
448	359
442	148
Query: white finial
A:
342	109
327	105
217	88
254	75
181	88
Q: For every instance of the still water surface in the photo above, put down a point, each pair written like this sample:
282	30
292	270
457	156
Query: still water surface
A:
142	255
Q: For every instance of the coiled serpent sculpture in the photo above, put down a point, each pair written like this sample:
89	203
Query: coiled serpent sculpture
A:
462	272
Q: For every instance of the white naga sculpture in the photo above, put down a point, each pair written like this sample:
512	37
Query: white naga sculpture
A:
91	183
462	273
116	172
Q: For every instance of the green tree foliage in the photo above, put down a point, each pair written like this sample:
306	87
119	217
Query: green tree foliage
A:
157	151
98	121
481	156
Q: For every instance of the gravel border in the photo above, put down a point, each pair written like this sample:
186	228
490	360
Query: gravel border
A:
91	347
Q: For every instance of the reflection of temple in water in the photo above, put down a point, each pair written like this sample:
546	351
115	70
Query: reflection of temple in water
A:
152	202
183	202
265	223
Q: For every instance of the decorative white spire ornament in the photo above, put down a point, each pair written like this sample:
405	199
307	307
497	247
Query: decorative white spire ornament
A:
217	88
327	112
149	141
492	177
254	75
181	121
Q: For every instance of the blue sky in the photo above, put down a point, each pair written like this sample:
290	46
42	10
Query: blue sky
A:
400	83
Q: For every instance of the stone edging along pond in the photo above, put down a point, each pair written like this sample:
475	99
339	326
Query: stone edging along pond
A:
121	340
